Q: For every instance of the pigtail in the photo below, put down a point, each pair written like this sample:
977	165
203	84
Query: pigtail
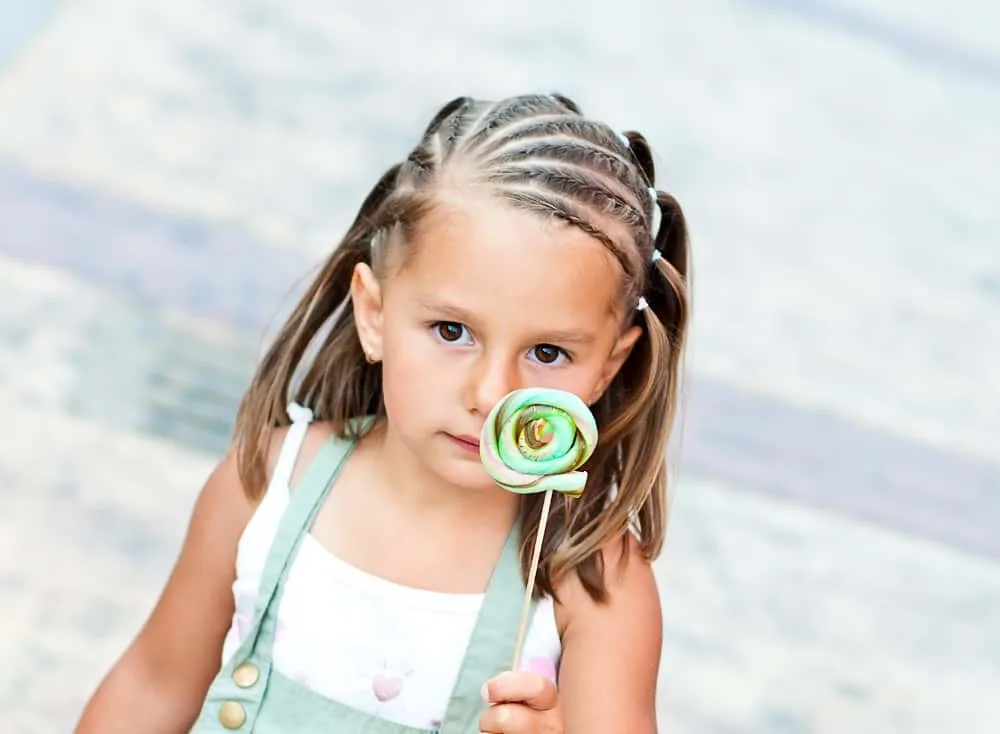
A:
636	416
666	322
668	284
263	406
644	397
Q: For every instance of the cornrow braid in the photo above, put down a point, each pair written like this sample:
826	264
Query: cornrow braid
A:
505	113
560	210
558	125
585	153
589	189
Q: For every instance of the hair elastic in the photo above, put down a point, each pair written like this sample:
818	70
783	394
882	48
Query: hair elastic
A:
642	305
657	255
624	138
654	227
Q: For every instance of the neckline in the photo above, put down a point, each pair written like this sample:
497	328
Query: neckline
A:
384	589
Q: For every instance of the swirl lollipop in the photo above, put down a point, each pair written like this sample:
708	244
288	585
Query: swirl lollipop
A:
534	440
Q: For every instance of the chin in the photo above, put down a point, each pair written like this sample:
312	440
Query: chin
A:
467	474
471	479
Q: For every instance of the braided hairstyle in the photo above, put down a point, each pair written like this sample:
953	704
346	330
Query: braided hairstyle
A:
538	153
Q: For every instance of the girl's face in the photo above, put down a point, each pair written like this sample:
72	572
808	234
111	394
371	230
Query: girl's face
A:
487	299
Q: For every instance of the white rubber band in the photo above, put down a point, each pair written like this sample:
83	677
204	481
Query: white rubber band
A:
654	227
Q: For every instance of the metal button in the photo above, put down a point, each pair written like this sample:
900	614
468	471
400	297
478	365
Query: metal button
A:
232	715
246	675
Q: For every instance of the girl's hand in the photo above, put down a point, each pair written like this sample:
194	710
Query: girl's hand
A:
521	703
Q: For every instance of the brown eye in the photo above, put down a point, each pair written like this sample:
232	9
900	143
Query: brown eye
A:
449	331
546	353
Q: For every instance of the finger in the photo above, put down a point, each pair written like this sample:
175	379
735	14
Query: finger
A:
527	687
510	718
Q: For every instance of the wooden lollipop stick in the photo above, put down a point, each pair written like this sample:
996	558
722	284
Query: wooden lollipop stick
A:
522	628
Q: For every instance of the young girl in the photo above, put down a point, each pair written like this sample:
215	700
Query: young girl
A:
357	570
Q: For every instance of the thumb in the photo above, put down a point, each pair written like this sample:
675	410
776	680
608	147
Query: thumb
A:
524	687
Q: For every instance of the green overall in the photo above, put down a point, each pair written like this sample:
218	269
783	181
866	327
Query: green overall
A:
249	695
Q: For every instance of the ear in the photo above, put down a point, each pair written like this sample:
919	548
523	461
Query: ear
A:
366	297
615	360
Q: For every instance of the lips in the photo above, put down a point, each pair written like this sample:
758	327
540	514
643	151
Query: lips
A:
472	441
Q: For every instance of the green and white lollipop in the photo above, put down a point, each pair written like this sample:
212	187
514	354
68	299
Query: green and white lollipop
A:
535	440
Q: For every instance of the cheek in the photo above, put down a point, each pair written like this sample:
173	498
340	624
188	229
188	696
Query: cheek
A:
590	375
412	371
580	378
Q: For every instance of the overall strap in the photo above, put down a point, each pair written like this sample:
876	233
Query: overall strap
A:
303	506
491	648
245	677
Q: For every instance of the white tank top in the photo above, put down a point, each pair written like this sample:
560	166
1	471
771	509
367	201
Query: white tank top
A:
388	650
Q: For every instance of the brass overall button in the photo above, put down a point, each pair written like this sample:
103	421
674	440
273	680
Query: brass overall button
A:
232	715
246	675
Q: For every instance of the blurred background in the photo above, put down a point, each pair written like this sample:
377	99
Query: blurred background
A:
171	172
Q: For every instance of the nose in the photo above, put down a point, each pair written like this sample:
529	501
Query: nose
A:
490	378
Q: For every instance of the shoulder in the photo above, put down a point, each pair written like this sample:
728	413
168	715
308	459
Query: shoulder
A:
276	442
223	499
611	648
223	508
631	590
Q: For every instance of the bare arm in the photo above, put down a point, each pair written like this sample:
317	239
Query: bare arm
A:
611	652
160	682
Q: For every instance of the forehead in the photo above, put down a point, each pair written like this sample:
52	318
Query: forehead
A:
487	256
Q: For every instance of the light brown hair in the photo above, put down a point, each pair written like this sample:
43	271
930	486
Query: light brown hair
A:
539	153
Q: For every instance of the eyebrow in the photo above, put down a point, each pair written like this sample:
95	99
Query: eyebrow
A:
561	336
432	304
